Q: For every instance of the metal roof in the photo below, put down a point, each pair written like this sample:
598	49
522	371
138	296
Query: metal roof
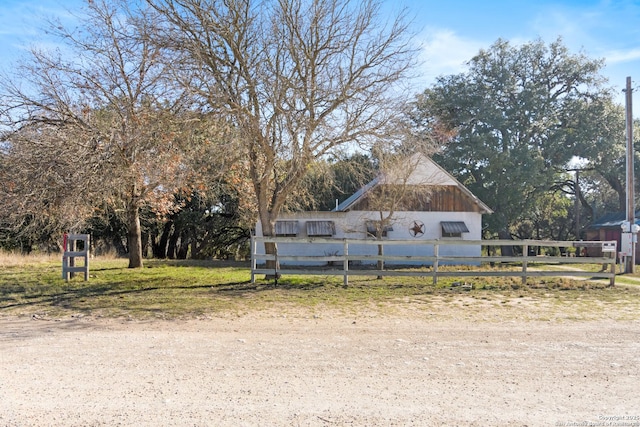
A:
342	207
454	227
612	220
321	228
286	228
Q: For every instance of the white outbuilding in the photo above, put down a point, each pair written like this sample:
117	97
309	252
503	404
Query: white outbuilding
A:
434	205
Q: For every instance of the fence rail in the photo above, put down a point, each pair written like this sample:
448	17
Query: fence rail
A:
351	264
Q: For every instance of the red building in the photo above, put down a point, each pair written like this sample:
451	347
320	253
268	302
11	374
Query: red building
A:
609	227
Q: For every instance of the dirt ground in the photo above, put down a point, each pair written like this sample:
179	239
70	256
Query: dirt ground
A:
331	370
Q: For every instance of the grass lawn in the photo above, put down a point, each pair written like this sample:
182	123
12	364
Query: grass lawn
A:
190	289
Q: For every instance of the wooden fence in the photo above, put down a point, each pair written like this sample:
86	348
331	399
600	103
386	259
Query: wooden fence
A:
528	263
71	252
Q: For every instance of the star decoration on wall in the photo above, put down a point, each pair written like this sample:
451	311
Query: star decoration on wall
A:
417	229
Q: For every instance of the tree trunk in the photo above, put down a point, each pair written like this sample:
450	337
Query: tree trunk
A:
119	246
172	248
160	245
135	237
506	250
183	249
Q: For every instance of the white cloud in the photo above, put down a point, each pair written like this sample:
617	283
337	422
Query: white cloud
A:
549	23
444	52
605	29
22	24
621	56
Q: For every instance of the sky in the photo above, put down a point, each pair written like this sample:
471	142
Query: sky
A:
449	32
452	32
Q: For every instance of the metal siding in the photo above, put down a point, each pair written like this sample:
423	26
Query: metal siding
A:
321	228
454	227
286	228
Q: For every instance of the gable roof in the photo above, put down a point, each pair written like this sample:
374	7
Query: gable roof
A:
426	172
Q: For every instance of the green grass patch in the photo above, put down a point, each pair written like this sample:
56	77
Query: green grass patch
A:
189	289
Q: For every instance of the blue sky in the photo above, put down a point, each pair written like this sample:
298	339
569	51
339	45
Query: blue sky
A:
453	31
450	32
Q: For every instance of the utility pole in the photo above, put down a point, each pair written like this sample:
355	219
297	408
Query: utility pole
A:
631	220
577	204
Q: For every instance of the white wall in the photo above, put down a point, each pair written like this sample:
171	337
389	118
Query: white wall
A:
352	225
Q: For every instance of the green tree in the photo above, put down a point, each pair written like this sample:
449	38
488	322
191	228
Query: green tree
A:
518	115
547	220
600	161
328	181
604	149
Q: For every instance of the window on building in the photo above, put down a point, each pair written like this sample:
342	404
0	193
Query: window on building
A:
286	228
453	228
320	228
374	226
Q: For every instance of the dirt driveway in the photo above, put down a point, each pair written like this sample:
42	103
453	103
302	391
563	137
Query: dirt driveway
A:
269	370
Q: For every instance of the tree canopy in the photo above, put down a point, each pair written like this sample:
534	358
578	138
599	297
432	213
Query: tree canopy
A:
298	79
171	126
520	115
104	116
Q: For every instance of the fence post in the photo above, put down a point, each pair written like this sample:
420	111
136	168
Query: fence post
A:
65	260
525	254
276	266
71	247
436	251
70	253
87	249
612	279
253	259
345	263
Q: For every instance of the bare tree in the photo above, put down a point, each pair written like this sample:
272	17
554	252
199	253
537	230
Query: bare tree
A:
107	100
41	186
299	79
398	187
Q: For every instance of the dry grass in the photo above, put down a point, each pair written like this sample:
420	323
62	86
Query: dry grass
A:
13	259
186	289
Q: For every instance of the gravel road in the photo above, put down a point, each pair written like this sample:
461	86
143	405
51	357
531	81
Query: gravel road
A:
265	370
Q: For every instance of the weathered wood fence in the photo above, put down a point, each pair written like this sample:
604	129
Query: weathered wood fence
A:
343	263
